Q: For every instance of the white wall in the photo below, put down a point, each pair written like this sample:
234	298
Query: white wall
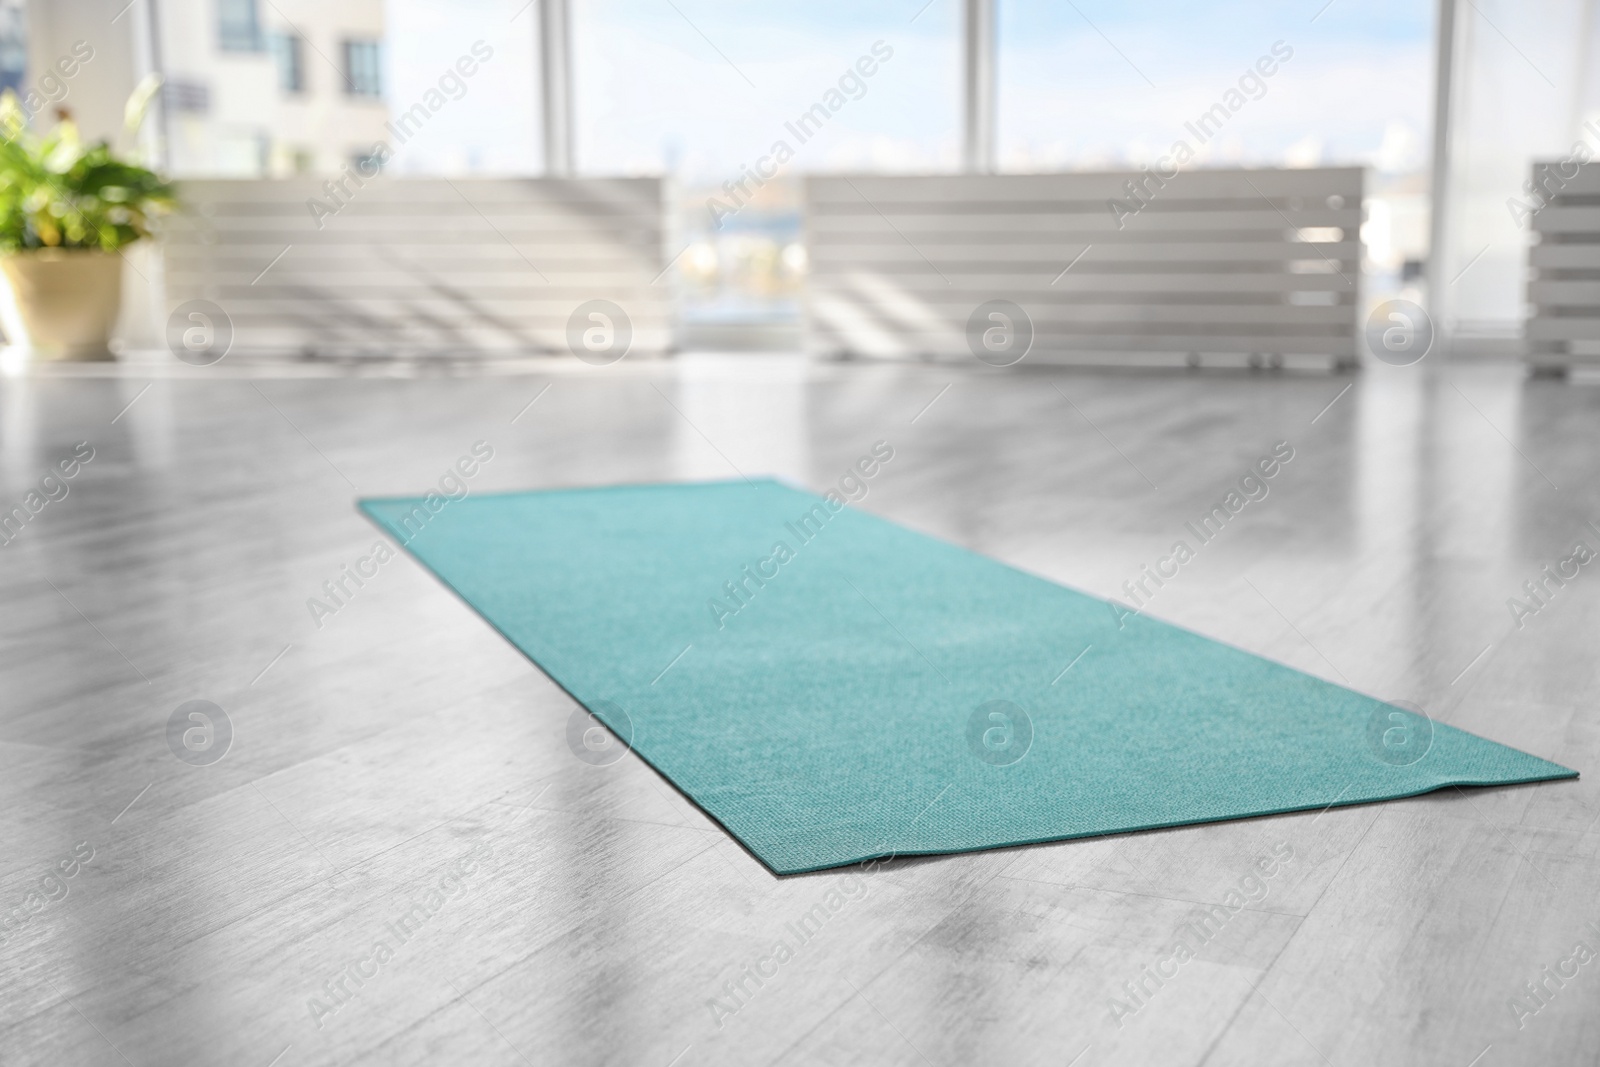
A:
95	93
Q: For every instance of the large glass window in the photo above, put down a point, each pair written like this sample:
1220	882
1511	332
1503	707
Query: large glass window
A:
736	102
1098	85
704	90
487	120
1525	90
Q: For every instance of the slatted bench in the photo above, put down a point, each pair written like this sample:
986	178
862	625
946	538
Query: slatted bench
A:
1217	266
1563	326
463	268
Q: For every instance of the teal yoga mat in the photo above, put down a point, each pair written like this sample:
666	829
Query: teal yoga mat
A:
880	692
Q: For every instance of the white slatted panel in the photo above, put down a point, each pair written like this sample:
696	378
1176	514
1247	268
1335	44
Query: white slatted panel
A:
1564	267
1235	262
420	267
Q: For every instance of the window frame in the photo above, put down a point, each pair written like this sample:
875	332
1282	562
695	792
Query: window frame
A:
289	53
365	83
239	34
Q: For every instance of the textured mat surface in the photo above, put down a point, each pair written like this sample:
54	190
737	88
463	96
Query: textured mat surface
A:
832	686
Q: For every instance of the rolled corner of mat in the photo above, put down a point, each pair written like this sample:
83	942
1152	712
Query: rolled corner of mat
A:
837	689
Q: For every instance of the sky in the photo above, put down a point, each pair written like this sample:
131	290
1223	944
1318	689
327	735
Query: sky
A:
701	88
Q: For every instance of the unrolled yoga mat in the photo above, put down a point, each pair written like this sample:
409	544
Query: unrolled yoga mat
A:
832	687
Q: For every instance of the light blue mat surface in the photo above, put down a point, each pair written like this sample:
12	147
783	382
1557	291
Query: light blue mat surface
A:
882	692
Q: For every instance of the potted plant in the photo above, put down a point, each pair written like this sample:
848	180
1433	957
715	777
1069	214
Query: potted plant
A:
67	210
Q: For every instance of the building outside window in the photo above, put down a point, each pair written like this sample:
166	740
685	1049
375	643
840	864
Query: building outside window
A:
186	97
289	50
239	26
366	163
13	45
363	75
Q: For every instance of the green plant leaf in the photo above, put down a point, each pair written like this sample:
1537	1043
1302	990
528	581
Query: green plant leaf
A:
55	191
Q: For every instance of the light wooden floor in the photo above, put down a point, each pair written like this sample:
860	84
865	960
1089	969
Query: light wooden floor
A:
604	913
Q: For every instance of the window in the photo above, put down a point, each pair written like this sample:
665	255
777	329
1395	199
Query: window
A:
737	101
1106	86
842	86
289	50
1504	115
187	97
1081	94
13	45
238	26
366	163
361	69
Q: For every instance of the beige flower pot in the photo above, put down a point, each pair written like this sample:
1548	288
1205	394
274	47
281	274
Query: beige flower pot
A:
66	301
